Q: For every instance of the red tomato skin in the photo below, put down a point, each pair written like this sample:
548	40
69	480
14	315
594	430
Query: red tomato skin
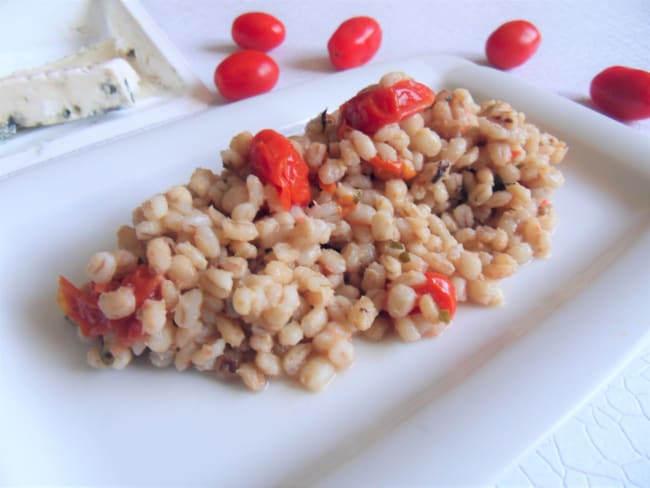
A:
258	30
441	289
246	73
355	42
81	305
372	109
512	44
274	159
622	92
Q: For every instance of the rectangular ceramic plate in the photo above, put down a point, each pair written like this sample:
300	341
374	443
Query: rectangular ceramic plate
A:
34	33
456	409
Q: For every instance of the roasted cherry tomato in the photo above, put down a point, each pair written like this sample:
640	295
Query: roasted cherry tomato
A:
81	305
622	92
258	30
274	160
355	42
145	285
372	109
442	291
246	73
512	44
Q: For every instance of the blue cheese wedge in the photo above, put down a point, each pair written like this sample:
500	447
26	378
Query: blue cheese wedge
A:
61	95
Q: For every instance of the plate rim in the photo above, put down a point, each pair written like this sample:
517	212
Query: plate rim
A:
642	242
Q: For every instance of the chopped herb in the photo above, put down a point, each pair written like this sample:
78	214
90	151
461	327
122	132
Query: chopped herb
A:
131	53
229	308
462	194
444	316
442	168
405	257
76	108
396	245
449	98
65	113
357	196
499	185
323	120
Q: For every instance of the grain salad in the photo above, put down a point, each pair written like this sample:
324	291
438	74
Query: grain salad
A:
375	221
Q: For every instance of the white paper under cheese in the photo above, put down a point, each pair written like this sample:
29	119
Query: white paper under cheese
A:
52	97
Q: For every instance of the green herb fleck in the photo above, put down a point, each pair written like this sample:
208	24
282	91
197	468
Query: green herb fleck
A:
357	196
444	316
405	257
396	245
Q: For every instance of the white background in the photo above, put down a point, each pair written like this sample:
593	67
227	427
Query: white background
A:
607	441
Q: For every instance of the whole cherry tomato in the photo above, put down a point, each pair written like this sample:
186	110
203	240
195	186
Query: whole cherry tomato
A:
622	92
246	73
258	30
442	291
512	44
274	159
355	42
372	109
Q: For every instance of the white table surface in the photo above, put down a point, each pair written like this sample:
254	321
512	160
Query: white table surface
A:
606	442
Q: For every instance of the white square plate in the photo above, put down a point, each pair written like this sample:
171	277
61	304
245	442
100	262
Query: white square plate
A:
35	34
456	409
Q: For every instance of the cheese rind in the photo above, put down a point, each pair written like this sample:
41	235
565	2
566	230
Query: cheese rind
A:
52	97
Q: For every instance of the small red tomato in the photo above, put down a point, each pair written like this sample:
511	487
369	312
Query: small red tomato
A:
372	109
355	42
512	44
246	73
274	160
258	30
622	92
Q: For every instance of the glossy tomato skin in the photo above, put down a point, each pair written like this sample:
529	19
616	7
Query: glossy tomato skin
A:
622	92
258	30
443	292
355	42
375	108
246	73
274	160
512	44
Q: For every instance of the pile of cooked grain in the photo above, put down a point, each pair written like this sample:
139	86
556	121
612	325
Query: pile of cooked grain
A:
254	291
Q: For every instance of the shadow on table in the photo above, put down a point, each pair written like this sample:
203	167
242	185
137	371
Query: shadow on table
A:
315	62
222	48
